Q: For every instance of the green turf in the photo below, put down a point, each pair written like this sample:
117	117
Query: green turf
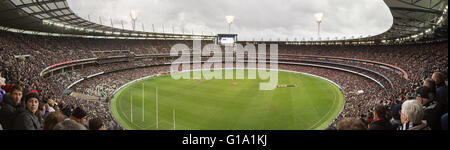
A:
229	104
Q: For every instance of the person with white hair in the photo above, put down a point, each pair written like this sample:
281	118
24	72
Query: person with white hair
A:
412	115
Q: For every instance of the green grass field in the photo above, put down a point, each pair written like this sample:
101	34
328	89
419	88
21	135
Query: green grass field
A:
228	104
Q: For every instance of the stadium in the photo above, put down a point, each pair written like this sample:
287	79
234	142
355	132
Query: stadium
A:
106	77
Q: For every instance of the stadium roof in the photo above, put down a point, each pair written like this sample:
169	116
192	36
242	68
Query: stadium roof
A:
413	19
55	16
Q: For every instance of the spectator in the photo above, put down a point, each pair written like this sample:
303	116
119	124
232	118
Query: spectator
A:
431	109
351	124
43	109
396	120
52	119
412	115
30	117
11	107
2	92
66	109
380	122
69	125
422	94
51	104
431	86
96	124
418	60
79	115
441	90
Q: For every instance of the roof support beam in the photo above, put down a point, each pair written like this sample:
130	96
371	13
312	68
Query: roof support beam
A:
48	11
419	6
409	26
437	4
29	5
430	11
39	3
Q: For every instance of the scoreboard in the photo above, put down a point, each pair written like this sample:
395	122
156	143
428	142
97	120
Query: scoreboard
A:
226	39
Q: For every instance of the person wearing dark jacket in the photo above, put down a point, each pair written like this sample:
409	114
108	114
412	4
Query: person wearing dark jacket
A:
11	107
441	91
431	108
80	116
29	118
380	121
396	118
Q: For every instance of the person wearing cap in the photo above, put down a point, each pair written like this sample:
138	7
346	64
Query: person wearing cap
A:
396	121
412	116
11	106
431	108
79	115
423	95
29	118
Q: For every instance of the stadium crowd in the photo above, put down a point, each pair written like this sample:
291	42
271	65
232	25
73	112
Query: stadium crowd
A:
31	102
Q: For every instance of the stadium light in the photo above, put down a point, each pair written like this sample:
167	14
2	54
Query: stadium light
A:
153	26
134	16
100	19
319	18
112	24
121	21
230	20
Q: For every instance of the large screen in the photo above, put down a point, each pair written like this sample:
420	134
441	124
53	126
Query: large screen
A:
226	40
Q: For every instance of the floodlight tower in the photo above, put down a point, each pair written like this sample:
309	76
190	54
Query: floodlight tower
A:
230	20
134	17
319	18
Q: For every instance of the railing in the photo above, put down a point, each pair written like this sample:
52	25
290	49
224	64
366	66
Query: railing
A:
395	68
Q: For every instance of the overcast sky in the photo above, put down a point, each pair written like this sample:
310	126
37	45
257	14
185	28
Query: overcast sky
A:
255	19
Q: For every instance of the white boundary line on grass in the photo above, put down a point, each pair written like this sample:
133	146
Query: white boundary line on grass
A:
279	70
334	103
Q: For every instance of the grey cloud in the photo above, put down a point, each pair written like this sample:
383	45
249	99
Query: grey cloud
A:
255	19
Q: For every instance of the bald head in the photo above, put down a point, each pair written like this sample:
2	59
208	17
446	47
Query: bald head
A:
438	77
